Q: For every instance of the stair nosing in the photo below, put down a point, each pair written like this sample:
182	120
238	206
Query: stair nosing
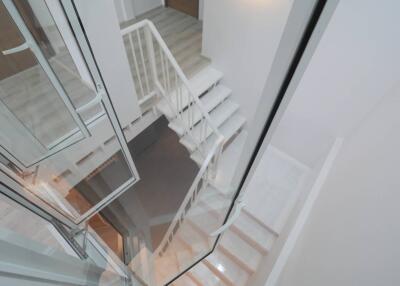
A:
230	112
224	93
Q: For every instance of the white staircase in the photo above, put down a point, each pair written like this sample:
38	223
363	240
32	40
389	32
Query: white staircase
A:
223	112
236	257
201	112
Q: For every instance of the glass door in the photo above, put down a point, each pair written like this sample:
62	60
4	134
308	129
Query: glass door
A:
190	190
58	131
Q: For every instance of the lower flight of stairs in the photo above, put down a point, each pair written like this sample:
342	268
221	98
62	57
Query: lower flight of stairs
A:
237	256
245	243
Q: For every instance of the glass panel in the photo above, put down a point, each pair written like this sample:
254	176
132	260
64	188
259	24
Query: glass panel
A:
76	82
191	157
29	103
72	177
188	180
39	232
36	242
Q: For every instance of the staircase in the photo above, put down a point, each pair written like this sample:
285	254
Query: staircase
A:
201	112
216	101
237	255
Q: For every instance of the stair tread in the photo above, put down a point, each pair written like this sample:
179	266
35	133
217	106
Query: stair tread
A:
198	241
228	129
200	83
210	100
218	116
206	223
166	267
247	228
203	276
185	280
226	269
245	254
215	208
254	232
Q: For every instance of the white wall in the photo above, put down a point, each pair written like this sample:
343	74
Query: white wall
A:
68	39
109	51
353	232
241	38
355	63
350	89
201	9
142	6
129	9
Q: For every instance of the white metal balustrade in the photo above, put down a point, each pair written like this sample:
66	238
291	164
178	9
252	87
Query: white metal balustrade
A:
156	73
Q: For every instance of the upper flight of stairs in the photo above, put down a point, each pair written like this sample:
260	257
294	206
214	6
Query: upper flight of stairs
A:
182	34
223	111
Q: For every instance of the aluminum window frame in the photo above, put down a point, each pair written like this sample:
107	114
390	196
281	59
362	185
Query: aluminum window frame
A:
102	96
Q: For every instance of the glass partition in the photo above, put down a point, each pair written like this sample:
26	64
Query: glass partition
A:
197	134
54	132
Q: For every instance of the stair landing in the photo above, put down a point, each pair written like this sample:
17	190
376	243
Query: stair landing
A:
182	34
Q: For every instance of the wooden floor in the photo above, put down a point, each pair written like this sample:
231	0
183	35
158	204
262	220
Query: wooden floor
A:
35	102
182	34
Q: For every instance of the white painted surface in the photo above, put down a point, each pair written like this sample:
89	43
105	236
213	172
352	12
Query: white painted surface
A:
142	6
69	41
129	9
353	232
354	65
274	188
304	213
241	37
350	89
201	9
109	51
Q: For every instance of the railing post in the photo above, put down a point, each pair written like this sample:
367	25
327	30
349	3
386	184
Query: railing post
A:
151	53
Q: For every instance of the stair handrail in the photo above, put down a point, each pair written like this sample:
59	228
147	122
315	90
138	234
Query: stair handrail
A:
147	23
208	167
190	196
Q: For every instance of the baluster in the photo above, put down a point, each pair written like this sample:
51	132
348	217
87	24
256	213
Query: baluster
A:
203	129
163	69
192	113
190	110
168	77
177	94
136	65
143	61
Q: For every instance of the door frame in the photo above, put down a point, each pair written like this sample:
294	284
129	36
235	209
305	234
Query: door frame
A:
198	16
101	96
31	44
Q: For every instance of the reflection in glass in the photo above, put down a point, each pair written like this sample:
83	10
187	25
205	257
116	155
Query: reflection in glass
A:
34	230
39	140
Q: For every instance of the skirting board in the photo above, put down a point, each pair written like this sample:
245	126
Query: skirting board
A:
304	214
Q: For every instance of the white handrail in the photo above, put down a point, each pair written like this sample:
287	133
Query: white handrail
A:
191	193
181	75
175	65
204	123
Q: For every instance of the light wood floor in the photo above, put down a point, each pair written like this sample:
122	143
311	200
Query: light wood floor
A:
36	104
182	34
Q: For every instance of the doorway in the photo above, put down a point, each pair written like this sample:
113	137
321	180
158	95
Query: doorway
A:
190	7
